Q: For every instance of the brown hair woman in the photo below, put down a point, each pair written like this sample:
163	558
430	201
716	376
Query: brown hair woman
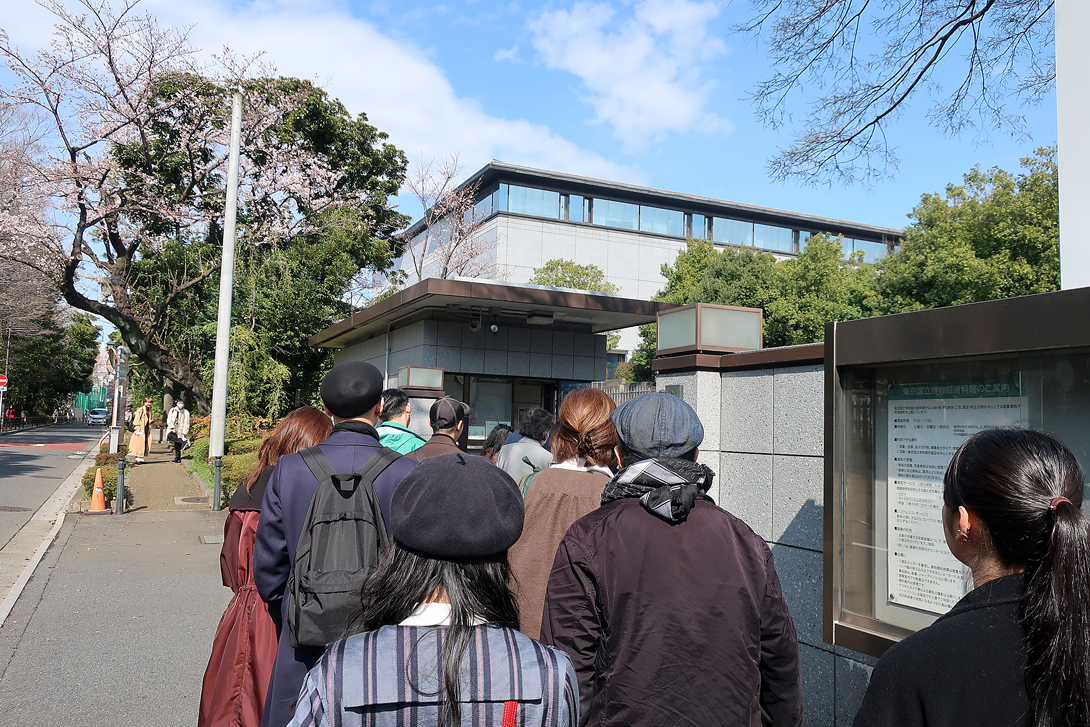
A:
558	496
244	650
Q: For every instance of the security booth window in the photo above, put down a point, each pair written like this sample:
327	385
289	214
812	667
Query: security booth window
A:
892	427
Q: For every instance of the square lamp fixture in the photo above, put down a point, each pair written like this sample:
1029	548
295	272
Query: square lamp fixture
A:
705	327
419	377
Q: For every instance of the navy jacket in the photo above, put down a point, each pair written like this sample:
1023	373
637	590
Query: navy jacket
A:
287	499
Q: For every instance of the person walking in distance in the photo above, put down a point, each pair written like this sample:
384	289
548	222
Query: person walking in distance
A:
669	607
352	394
178	428
236	681
438	643
394	430
139	441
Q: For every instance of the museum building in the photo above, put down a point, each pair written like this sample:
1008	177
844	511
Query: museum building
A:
531	216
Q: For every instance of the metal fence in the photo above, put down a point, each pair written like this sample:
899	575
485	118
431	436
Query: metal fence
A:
17	423
622	392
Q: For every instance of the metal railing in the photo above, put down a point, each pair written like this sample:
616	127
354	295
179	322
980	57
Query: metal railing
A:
17	423
622	392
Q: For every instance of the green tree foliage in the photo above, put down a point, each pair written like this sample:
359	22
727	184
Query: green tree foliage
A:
50	365
682	280
560	273
994	236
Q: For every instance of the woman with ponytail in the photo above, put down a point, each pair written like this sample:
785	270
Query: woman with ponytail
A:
1015	650
556	497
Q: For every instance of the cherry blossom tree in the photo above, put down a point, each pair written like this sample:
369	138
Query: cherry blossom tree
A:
133	169
451	241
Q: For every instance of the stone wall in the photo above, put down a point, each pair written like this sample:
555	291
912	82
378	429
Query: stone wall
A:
764	437
528	352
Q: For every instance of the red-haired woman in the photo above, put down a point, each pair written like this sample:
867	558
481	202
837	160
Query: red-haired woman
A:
558	496
244	650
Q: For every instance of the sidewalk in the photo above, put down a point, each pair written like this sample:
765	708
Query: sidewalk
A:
116	625
159	484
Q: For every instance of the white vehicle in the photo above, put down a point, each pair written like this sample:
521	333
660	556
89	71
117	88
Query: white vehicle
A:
98	416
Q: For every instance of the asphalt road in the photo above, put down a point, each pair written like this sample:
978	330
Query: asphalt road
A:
33	464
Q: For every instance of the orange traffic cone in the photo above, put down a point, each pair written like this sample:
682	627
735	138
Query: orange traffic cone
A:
98	497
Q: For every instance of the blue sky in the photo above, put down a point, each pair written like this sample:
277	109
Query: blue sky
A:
650	92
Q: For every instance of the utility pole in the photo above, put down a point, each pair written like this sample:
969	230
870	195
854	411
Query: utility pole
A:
223	320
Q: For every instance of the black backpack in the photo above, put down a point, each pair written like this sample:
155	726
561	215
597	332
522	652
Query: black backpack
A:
339	546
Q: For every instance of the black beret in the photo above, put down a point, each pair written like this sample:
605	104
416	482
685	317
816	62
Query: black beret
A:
456	507
351	388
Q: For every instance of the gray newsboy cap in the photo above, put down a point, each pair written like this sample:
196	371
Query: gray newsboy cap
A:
456	507
658	424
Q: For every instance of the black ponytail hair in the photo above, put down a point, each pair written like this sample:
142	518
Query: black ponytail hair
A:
1027	489
478	591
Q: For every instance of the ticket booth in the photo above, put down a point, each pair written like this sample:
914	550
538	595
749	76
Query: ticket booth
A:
902	393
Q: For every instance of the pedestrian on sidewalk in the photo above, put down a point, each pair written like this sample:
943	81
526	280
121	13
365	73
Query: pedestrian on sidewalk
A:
236	682
668	606
178	428
352	394
439	643
139	441
558	496
394	430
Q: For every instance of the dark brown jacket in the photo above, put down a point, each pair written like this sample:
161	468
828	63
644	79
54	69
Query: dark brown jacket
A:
438	444
678	624
558	496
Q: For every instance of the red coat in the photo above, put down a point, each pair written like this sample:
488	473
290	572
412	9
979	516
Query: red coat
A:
237	678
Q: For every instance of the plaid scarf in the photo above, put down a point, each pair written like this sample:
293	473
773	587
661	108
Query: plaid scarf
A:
667	488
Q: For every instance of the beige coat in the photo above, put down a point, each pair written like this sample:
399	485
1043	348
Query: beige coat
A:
139	443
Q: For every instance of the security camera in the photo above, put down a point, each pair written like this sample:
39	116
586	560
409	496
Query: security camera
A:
475	324
494	328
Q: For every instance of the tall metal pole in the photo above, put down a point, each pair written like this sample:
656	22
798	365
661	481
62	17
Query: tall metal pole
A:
223	320
1072	110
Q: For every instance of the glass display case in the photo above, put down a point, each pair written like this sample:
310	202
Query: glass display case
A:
902	393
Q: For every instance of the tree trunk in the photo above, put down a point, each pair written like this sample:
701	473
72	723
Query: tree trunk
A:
157	357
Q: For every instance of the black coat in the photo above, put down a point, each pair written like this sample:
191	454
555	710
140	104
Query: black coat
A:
965	670
283	510
673	624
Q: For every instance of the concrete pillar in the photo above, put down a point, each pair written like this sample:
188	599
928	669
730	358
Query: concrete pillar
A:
1072	112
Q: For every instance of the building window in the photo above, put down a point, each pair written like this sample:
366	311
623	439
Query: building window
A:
695	226
537	202
499	198
731	232
611	213
489	404
872	251
662	221
772	238
571	207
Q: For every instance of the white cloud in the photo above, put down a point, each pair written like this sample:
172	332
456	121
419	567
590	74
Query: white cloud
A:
510	54
644	73
393	81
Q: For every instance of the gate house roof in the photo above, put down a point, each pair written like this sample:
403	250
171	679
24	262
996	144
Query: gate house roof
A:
505	304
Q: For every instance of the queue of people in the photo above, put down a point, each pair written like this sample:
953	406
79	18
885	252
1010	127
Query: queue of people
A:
602	585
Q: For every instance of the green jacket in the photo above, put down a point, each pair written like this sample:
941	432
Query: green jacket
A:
398	438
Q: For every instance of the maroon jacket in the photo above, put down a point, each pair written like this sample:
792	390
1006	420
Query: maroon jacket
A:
673	624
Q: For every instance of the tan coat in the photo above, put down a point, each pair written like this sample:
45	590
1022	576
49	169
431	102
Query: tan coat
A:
139	442
558	496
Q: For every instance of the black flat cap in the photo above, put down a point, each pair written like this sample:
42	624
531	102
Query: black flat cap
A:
456	507
351	388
